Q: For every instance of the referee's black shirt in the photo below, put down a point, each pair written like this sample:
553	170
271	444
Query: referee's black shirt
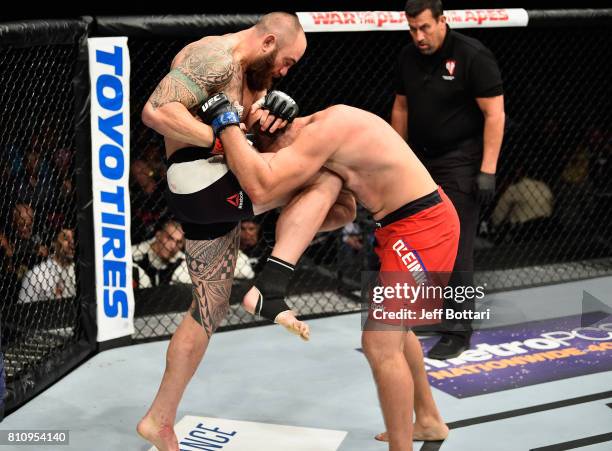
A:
441	91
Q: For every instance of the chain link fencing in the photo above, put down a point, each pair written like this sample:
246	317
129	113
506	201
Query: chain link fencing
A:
549	221
41	332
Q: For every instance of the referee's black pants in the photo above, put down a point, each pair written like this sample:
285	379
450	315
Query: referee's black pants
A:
456	171
468	210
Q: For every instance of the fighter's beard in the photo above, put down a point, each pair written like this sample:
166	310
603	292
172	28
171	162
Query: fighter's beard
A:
259	74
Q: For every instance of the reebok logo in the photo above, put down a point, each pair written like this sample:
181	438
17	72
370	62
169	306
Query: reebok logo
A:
237	200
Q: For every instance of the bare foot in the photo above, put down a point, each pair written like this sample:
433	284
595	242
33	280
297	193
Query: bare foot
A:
293	325
286	318
431	433
161	436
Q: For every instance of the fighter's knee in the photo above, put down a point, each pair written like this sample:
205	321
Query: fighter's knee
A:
259	196
347	199
330	183
208	322
345	210
376	351
185	346
368	345
380	359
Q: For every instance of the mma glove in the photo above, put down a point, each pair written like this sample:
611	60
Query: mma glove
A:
281	105
218	112
485	187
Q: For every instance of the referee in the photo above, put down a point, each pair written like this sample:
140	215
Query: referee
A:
449	106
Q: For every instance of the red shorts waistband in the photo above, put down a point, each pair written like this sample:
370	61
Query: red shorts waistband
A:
411	208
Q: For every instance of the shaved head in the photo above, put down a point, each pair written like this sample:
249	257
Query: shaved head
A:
282	44
284	25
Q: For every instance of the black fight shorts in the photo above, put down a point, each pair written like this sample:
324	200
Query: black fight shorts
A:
204	195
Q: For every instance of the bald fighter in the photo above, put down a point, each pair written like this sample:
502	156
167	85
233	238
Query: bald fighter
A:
208	200
385	176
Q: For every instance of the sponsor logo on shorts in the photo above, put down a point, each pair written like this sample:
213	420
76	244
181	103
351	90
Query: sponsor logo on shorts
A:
450	67
411	259
237	200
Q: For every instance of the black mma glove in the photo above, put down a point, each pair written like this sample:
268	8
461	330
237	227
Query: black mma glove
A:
218	112
485	187
281	105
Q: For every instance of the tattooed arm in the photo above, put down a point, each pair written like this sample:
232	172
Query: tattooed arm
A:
205	69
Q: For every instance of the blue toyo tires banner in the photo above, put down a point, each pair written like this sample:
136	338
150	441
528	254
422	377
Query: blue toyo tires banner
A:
109	69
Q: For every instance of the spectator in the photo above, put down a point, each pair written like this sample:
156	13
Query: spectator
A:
54	278
577	183
526	202
249	237
61	183
160	260
152	156
147	200
21	243
9	283
576	171
602	162
350	255
250	252
31	178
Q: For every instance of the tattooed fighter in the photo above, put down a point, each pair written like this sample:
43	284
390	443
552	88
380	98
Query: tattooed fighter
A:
209	202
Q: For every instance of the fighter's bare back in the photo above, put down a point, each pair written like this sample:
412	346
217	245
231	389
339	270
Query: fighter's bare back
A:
375	163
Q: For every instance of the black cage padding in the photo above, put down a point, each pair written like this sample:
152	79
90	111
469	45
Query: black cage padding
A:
173	26
29	33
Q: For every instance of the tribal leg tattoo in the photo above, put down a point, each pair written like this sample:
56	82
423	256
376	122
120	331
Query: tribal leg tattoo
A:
211	266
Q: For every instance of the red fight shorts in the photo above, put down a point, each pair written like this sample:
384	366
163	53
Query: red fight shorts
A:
417	247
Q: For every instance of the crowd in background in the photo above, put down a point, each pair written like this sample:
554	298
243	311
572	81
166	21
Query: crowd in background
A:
38	236
37	226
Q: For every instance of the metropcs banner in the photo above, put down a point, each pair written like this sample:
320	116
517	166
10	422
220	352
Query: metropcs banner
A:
396	20
525	354
109	71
